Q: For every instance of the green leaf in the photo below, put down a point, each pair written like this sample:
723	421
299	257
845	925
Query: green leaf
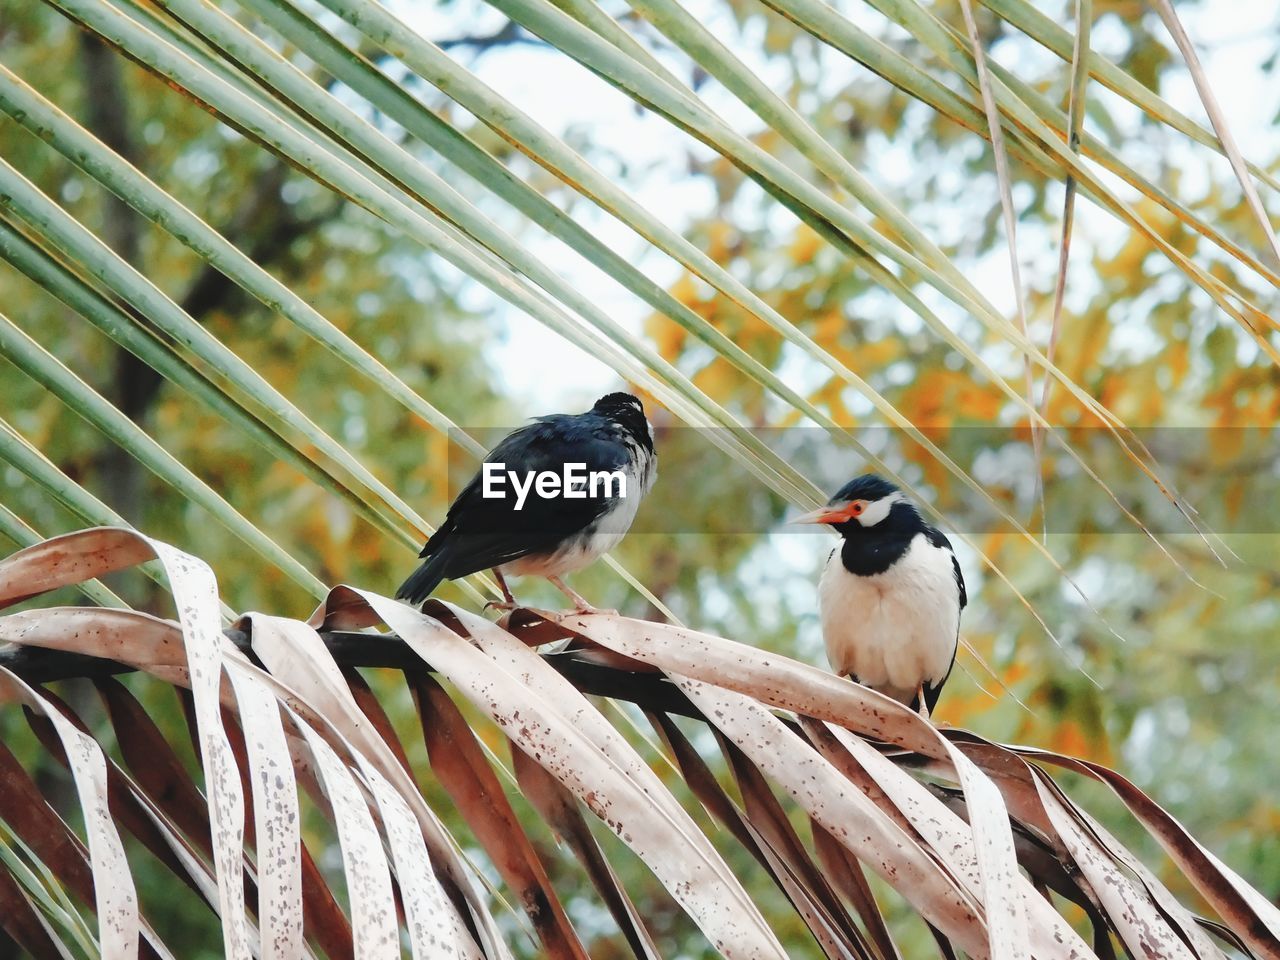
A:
40	365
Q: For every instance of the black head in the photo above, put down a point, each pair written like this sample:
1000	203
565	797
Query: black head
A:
869	486
868	505
628	412
616	404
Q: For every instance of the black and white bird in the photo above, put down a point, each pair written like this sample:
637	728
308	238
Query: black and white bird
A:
554	528
891	594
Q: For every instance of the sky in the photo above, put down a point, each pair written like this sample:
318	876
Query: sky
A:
1233	37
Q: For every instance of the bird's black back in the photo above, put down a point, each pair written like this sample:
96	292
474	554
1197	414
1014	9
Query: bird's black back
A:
495	531
480	532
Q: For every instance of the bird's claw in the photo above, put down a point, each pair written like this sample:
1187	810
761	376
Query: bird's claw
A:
585	609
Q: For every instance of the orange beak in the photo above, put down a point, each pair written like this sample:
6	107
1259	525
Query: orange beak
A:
832	513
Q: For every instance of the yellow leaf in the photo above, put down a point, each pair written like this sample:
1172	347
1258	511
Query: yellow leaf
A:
668	337
805	245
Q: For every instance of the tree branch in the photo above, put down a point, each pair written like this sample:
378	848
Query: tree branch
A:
266	230
510	33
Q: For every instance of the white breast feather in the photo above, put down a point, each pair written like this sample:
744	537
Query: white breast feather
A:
892	630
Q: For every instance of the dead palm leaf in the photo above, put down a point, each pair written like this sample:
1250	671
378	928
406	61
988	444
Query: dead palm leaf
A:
973	835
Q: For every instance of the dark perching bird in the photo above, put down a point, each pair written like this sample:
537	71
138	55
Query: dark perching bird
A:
548	536
890	596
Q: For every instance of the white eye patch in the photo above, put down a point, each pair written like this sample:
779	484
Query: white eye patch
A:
877	510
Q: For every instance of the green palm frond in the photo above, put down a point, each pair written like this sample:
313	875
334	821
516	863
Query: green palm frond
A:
820	803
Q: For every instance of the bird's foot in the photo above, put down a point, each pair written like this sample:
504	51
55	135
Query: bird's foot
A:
923	708
508	601
580	604
583	607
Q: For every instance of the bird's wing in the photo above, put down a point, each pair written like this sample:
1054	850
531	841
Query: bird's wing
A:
484	532
939	539
964	594
934	690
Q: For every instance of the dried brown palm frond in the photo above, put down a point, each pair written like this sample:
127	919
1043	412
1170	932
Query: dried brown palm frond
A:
978	838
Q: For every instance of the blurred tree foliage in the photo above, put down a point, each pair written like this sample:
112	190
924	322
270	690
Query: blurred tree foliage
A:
1185	699
372	285
1184	703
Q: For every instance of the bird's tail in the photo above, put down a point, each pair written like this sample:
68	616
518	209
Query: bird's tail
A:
425	579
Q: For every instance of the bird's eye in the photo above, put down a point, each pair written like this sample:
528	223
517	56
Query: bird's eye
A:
857	507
